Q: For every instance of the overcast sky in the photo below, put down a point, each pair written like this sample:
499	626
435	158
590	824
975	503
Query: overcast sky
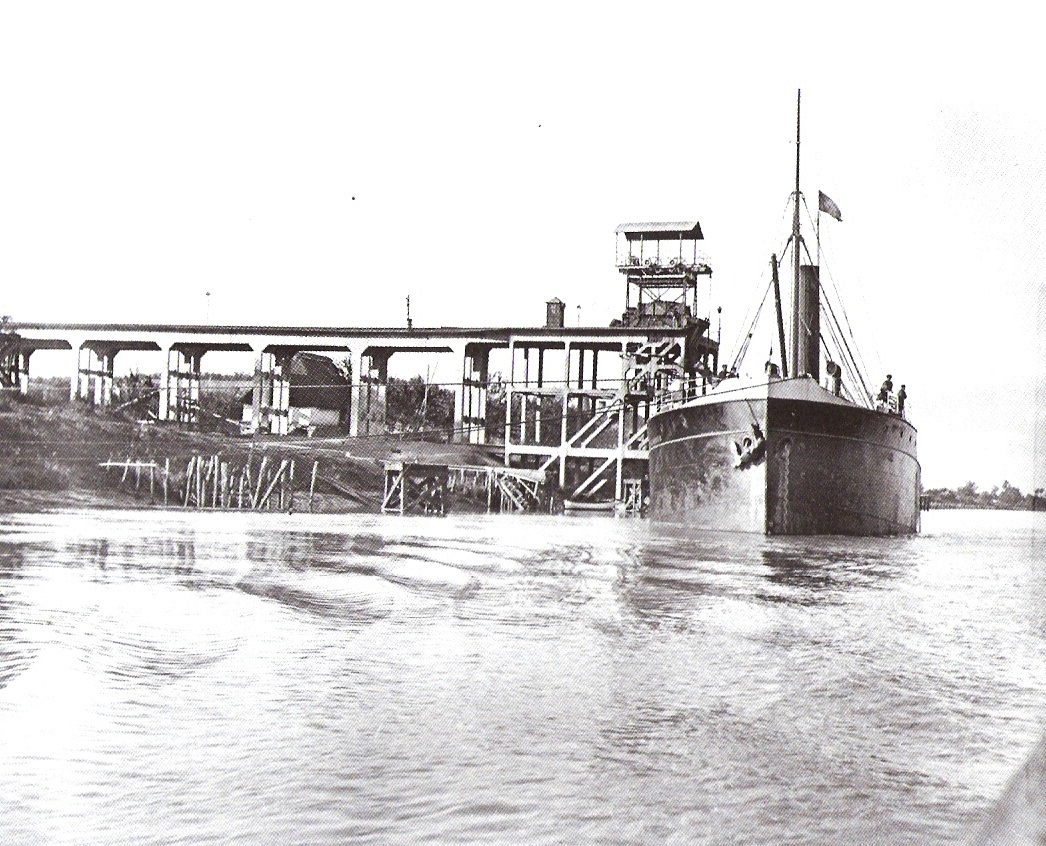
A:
316	163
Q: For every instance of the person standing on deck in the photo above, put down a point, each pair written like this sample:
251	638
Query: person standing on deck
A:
902	395
887	388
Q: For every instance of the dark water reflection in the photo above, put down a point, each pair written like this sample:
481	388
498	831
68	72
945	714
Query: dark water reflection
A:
236	678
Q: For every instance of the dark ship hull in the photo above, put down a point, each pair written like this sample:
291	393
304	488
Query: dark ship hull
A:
813	463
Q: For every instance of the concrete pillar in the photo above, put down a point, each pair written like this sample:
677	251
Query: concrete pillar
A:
470	416
94	375
194	361
180	385
370	379
97	377
165	389
103	375
280	423
172	384
355	394
272	392
81	376
261	396
8	365
461	431
21	360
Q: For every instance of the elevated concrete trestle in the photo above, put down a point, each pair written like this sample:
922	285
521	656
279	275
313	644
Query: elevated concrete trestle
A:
584	422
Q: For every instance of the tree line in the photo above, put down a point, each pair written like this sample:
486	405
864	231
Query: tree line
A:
1008	497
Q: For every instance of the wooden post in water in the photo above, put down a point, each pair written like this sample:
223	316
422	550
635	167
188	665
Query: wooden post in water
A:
166	473
255	503
272	485
312	484
189	470
290	487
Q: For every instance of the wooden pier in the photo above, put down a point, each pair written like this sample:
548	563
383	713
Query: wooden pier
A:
424	488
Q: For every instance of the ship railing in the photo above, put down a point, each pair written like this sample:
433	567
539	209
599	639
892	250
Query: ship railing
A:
677	395
679	392
890	404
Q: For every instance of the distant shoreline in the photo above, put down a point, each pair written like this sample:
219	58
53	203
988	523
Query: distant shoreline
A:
935	507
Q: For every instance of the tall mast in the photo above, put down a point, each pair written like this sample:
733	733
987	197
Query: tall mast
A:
780	317
796	319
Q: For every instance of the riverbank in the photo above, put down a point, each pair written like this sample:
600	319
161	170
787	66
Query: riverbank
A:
50	457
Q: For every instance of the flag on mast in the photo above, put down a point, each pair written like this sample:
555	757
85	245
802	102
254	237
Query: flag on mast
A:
828	206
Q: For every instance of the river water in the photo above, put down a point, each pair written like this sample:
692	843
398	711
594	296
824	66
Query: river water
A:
229	678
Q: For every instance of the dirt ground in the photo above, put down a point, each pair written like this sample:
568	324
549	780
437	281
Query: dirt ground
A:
50	457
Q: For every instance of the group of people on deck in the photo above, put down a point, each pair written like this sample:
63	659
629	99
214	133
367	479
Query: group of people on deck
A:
887	389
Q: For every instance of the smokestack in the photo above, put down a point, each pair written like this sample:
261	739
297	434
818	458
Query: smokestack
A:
808	332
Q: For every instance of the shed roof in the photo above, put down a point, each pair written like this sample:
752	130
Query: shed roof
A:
316	382
662	231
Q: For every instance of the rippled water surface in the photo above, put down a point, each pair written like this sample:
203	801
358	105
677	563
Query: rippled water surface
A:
231	678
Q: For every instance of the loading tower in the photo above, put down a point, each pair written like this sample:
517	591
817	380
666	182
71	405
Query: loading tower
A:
662	267
579	398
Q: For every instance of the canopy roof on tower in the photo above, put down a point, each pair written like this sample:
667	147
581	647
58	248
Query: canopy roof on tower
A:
674	231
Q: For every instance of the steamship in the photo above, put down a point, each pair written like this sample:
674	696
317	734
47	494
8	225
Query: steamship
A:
785	453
